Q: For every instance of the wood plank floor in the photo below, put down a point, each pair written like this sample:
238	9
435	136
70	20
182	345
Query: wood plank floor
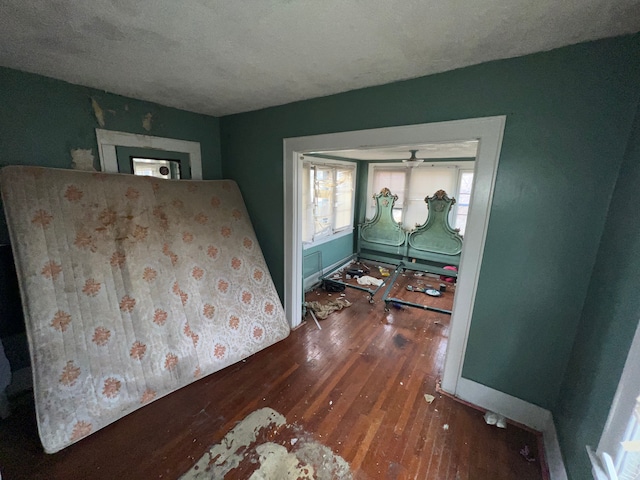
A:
357	386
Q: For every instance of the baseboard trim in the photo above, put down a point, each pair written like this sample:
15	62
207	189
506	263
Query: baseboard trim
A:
521	412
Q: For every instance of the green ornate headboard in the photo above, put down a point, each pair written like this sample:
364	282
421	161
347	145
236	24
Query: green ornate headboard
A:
436	239
382	228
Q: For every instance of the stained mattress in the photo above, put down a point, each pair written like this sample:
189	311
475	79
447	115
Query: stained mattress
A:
132	287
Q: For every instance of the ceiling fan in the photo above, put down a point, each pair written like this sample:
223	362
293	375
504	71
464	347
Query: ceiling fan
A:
413	161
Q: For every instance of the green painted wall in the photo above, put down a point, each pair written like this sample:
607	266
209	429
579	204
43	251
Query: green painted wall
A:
42	119
609	320
569	113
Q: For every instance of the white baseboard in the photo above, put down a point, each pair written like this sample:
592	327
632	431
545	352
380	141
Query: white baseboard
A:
521	412
314	278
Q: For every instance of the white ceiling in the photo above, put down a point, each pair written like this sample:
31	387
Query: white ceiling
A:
226	56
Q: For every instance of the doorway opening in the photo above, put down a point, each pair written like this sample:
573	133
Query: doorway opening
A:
486	131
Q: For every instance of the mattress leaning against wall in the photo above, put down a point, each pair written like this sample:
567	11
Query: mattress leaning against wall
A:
132	287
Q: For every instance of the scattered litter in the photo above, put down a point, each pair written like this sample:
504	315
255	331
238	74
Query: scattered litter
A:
429	398
315	319
401	383
495	419
526	453
367	280
330	402
322	311
343	294
384	271
294	441
445	426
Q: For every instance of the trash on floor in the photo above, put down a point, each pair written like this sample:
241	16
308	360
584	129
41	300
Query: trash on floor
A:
429	398
495	419
323	310
384	271
367	280
526	453
445	426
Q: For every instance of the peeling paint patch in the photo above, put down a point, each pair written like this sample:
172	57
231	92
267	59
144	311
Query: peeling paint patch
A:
98	112
146	122
274	448
82	159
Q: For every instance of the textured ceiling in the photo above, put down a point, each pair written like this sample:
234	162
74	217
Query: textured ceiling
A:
220	57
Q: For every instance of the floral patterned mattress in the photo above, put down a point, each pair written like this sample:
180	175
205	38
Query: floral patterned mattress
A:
132	287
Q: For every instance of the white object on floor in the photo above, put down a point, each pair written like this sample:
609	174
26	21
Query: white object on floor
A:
367	280
492	418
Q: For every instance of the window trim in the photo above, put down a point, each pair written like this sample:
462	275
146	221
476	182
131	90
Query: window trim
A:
344	231
108	140
620	412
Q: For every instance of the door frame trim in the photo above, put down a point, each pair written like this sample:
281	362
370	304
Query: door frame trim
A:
488	130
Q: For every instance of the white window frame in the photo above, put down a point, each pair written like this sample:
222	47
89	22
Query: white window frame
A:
344	231
108	140
401	167
620	414
454	215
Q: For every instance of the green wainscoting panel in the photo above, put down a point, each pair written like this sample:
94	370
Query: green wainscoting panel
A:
42	120
330	253
569	113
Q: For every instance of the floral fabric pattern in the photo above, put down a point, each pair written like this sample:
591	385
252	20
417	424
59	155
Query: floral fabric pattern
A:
133	287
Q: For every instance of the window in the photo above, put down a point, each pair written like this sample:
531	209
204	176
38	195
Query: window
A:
463	199
152	167
618	454
412	185
328	198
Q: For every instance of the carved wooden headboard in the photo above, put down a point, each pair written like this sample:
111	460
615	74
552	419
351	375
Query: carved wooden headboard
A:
382	233
435	240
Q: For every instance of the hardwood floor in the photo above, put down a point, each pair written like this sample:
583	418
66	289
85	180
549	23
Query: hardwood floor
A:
357	386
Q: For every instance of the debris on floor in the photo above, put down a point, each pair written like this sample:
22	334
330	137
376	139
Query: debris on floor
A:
429	398
526	453
323	310
368	280
498	420
445	426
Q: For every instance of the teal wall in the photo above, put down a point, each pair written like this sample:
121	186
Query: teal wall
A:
569	114
42	119
609	320
332	252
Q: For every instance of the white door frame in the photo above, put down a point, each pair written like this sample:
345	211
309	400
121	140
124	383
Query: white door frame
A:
108	140
489	132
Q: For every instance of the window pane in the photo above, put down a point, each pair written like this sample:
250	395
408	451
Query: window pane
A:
151	167
425	181
464	198
344	199
392	179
